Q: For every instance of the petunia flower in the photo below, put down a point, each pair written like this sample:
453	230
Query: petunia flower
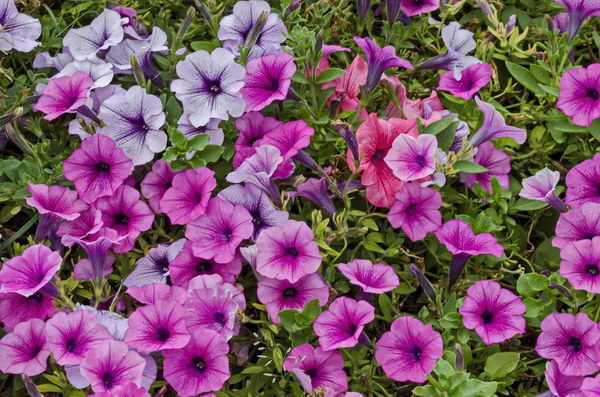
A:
188	196
133	120
371	278
561	384
71	335
18	31
581	264
104	31
97	168
290	139
583	183
342	324
151	294
120	54
495	127
158	326
127	390
30	272
214	281
579	96
498	166
45	60
417	7
154	266
24	350
235	28
541	187
581	223
211	308
347	86
416	210
201	366
571	341
379	60
216	136
156	183
409	351
315	190
16	308
64	95
590	387
316	368
278	295
186	266
578	11
83	270
458	237
87	117
412	158
474	78
428	110
287	252
87	223
268	79
209	86
495	313
560	22
252	126
100	72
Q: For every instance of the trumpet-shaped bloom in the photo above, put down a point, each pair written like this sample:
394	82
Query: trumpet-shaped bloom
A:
156	183
371	278
16	309
25	350
88	223
583	183
186	266
418	7
581	264
252	126
151	294
379	60
64	95
101	73
316	190
83	270
541	187
498	166
154	267
188	196
28	273
474	78
590	387
290	139
104	31
268	79
347	86
579	96
316	368
211	308
495	127
578	11
412	158
564	385
18	31
581	223
416	211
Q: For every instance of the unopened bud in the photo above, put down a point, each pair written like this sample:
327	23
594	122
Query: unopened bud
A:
15	137
203	11
137	72
31	388
392	10
561	289
256	30
424	281
294	5
347	132
460	358
11	116
512	22
363	8
319	42
184	27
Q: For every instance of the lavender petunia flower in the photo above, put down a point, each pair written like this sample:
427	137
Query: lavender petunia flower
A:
16	309
188	196
474	78
579	96
498	166
583	183
18	31
120	55
30	272
268	79
579	11
45	60
101	73
416	211
371	278
103	32
581	223
235	28
64	95
113	322
316	191
211	129
495	127
564	385
590	387
25	350
209	86
154	267
83	270
541	187
86	120
316	368
186	266
418	7
156	183
211	308
411	159
561	22
379	60
581	264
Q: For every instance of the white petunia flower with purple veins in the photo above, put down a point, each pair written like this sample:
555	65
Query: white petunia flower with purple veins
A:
104	32
133	120
154	267
98	96
211	128
235	28
45	60
18	31
120	55
209	86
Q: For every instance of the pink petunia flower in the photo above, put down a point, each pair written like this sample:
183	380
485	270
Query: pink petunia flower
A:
581	264
156	183
30	272
418	7
25	350
371	278
474	78
316	368
412	158
151	294
212	308
541	187
416	211
16	308
496	161
583	183
188	196
580	223
268	79
564	385
126	390
253	127
64	95
579	95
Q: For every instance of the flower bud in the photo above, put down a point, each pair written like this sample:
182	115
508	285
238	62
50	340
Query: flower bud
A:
392	10
256	30
346	131
363	8
561	289
294	5
424	281
460	358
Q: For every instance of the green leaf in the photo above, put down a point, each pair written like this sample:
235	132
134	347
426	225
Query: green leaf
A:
211	153
199	142
204	45
528	285
178	139
524	204
525	77
385	304
255	369
540	74
469	167
329	74
299	78
475	388
173	110
446	137
370	223
278	358
371	246
438	126
312	309
550	90
595	129
499	365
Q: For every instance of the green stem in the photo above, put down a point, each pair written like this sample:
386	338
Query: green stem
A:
20	232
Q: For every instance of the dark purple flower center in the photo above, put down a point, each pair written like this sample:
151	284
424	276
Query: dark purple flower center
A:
38	297
70	344
252	140
35	350
592	270
416	352
312	373
589	236
352	329
204	268
274	83
227	233
378	155
219	318
199	364
291	251
108	379
290	292
420	160
575	344
162	263
487	317
593	94
102	167
122	219
419	3
163	334
213	87
411	210
256	219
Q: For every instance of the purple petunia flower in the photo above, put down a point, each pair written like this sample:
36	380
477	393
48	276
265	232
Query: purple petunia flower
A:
16	308
315	190
201	366
24	350
411	159
268	79
186	266
541	187
379	60
590	387
235	28
211	308
64	95
97	168
17	30
343	323
409	351
418	7
495	127
278	295
212	281
316	368
218	233
103	32
287	252
157	326
112	364
498	166
570	341
561	22
188	196
150	294
88	223
581	223
101	73
257	203
209	86
154	267
125	213
252	126
30	272
45	60
371	278
416	210
458	237
579	11
495	313
71	335
127	390
581	264
211	129
156	183
473	78
120	55
583	183
290	139
83	270
579	96
133	120
564	385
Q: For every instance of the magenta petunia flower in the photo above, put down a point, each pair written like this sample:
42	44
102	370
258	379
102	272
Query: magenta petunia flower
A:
474	78
218	233
30	272
157	326
150	294
125	213
201	366
590	387
583	183
316	368
268	79
214	281
418	7
409	351
287	252
496	161
18	31
371	278
88	223
278	295
541	187
64	95
581	223
578	11
156	183
315	190
83	270
564	385
252	126
71	335
495	127
379	60
458	237
412	158
290	139
495	313
188	196
581	264
416	211
112	364
97	168
186	266
342	324
211	308
570	341
16	309
127	390
24	350
579	95
154	267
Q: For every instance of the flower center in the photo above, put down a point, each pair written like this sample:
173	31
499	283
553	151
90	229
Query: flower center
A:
290	292
227	233
219	318
592	270
215	88
102	167
411	209
312	373
204	268
252	140
419	3
291	251
420	160
593	93
487	317
416	352
122	219
589	236
36	350
38	297
275	84
163	263
199	364
108	379
378	155
352	329
575	344
70	344
163	334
